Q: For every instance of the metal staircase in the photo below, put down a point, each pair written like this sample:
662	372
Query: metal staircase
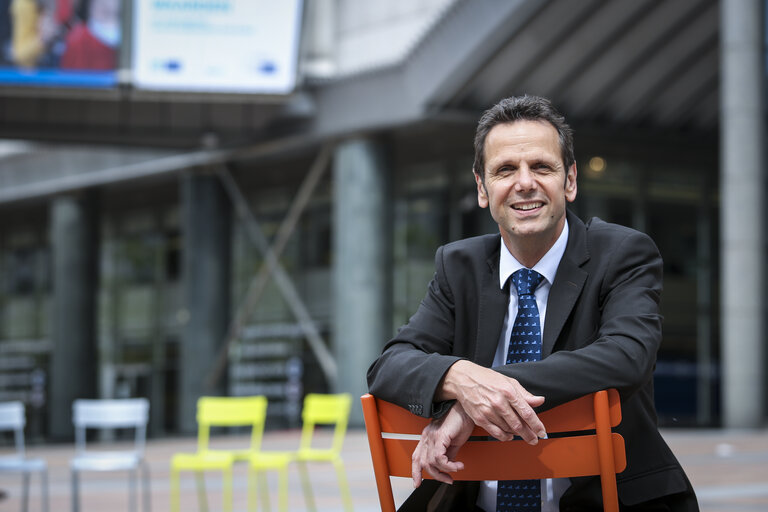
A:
267	361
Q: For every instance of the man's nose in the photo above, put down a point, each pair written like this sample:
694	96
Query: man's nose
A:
525	179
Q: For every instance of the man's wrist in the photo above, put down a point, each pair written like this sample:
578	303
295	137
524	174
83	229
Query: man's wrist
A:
449	385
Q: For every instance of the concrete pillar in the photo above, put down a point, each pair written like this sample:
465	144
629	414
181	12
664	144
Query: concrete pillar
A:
319	46
206	232
742	245
361	264
74	361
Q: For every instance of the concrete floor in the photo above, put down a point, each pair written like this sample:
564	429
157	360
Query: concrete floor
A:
729	470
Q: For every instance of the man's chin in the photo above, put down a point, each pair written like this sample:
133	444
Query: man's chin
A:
527	229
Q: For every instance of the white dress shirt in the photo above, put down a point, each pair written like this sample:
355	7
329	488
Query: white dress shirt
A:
551	489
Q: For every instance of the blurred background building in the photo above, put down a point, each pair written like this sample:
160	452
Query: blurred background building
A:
244	197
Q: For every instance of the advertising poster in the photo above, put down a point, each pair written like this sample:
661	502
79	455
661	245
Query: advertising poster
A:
69	43
229	46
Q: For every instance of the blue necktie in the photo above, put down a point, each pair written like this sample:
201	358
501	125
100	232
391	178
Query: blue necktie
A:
524	345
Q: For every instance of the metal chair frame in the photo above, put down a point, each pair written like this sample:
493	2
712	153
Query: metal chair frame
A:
598	451
318	409
212	411
13	418
110	414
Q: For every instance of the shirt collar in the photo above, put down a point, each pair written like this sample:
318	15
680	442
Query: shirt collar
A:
546	266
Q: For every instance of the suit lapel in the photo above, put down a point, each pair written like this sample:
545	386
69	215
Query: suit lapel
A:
569	281
493	306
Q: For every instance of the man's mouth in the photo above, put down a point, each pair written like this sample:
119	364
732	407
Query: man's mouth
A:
527	206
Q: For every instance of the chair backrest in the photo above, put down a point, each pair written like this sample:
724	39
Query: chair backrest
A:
325	409
110	414
581	454
12	418
214	411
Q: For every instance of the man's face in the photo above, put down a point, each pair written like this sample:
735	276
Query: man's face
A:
526	185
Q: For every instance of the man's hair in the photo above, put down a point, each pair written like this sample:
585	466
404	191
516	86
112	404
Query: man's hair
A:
522	108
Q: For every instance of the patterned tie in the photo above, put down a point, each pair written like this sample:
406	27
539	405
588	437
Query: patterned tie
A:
524	345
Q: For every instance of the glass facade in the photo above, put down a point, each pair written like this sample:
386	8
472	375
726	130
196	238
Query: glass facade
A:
25	296
676	206
139	317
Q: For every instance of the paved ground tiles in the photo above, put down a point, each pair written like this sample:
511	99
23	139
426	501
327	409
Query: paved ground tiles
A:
729	470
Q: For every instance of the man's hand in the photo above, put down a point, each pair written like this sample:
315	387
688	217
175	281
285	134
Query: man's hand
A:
440	441
497	403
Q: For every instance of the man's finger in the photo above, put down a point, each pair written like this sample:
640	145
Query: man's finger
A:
418	464
533	400
416	474
444	467
506	427
524	420
440	476
496	431
440	470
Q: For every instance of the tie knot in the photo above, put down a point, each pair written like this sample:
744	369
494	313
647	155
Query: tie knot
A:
526	281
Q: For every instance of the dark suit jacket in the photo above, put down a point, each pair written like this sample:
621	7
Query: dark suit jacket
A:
602	330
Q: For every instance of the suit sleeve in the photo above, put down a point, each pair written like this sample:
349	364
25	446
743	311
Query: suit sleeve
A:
413	363
622	353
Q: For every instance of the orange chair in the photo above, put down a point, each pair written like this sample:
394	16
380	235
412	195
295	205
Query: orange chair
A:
577	454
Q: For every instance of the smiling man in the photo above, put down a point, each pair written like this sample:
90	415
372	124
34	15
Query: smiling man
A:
547	310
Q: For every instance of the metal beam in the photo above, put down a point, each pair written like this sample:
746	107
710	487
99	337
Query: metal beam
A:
77	178
273	268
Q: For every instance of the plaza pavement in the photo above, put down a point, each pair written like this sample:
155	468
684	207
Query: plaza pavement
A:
729	470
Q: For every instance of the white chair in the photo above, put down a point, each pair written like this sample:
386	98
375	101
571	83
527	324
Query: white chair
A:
111	414
12	417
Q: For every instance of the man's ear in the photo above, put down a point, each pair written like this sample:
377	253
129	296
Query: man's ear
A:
482	193
570	183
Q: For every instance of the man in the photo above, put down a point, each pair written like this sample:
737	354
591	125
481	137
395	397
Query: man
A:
596	321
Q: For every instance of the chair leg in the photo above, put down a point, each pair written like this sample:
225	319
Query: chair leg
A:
75	490
258	488
227	490
252	493
262	484
175	491
282	503
202	499
24	491
132	490
44	487
305	485
343	485
145	486
264	489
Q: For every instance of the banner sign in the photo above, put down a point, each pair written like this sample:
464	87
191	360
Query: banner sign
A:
229	46
67	43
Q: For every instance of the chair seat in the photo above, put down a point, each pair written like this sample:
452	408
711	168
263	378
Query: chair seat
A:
202	461
315	455
22	464
105	461
240	455
269	460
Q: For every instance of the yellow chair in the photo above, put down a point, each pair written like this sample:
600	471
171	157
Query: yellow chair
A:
318	409
220	412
